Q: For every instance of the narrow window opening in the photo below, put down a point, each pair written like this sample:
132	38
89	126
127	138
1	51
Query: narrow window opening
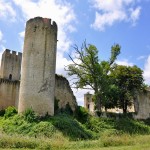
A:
10	77
88	106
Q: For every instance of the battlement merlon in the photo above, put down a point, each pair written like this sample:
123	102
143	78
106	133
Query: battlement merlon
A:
8	52
44	22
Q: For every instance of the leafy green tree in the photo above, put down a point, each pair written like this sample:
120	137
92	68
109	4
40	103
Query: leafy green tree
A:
88	70
129	81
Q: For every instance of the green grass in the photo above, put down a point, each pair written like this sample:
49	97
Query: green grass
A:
64	124
64	132
121	142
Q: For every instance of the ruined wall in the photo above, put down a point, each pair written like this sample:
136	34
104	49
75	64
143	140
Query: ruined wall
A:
10	65
38	66
9	92
142	105
88	102
64	93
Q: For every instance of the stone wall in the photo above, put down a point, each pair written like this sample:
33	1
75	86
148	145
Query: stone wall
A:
9	91
64	93
142	105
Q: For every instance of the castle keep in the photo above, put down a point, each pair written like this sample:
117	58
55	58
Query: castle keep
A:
38	66
37	88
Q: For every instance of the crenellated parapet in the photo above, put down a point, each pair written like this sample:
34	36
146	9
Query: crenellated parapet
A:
10	53
41	25
11	65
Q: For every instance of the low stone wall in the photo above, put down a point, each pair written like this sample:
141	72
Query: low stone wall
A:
142	105
9	92
64	93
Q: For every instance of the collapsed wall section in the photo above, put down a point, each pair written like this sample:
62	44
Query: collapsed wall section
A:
142	105
64	93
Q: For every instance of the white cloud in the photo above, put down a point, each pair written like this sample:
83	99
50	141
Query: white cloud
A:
107	19
6	11
21	34
59	11
146	73
124	62
61	63
135	15
1	42
80	95
109	12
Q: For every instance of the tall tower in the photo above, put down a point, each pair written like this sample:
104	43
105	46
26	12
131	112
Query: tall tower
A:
38	67
10	65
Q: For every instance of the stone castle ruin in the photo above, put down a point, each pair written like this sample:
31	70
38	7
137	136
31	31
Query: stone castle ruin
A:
36	88
140	107
29	80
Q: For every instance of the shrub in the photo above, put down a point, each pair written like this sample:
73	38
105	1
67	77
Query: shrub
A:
56	106
29	115
2	112
66	110
99	125
42	128
81	114
70	127
10	111
132	126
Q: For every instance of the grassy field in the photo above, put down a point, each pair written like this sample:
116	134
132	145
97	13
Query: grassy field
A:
116	143
65	132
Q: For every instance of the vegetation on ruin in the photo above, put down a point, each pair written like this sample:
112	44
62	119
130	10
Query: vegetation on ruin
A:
113	85
63	131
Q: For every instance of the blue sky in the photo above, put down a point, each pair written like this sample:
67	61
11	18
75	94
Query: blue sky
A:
100	22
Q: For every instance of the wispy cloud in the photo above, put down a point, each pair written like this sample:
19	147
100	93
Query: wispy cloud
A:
6	11
2	47
109	12
141	57
135	13
124	62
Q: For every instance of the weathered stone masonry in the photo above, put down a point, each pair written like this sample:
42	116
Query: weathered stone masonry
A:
37	88
9	93
38	66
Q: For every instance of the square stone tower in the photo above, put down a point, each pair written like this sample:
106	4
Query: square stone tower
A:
38	67
10	65
88	102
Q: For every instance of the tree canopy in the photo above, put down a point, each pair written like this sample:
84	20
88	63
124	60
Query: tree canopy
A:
88	70
128	81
